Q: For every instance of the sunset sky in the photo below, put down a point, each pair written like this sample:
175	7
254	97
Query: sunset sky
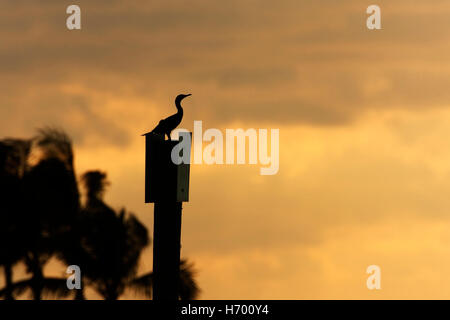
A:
364	120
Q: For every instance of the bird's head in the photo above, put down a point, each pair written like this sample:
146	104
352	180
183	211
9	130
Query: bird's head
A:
181	97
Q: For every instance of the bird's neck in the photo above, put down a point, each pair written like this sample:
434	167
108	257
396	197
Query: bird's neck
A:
179	108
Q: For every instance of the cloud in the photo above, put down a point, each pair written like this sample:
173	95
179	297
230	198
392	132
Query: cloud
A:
336	267
329	177
283	62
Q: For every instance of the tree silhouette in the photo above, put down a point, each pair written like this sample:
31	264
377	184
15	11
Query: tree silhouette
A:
107	247
11	241
48	202
110	243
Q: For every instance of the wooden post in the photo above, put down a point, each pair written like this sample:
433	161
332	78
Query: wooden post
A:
166	250
167	186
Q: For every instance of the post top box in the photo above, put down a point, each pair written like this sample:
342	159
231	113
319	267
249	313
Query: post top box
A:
165	181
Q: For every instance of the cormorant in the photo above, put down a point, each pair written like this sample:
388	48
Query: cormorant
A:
165	126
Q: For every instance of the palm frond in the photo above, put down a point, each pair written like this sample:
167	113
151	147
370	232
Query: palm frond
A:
55	143
142	285
51	287
56	288
189	289
18	287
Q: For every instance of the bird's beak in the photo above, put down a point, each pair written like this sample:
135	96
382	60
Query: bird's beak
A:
188	95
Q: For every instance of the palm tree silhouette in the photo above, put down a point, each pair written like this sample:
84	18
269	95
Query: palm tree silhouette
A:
12	247
48	202
111	245
106	245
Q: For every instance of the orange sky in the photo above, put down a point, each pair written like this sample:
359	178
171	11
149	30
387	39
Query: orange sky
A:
363	116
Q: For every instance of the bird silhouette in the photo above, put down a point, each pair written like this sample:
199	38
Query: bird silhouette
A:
167	125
